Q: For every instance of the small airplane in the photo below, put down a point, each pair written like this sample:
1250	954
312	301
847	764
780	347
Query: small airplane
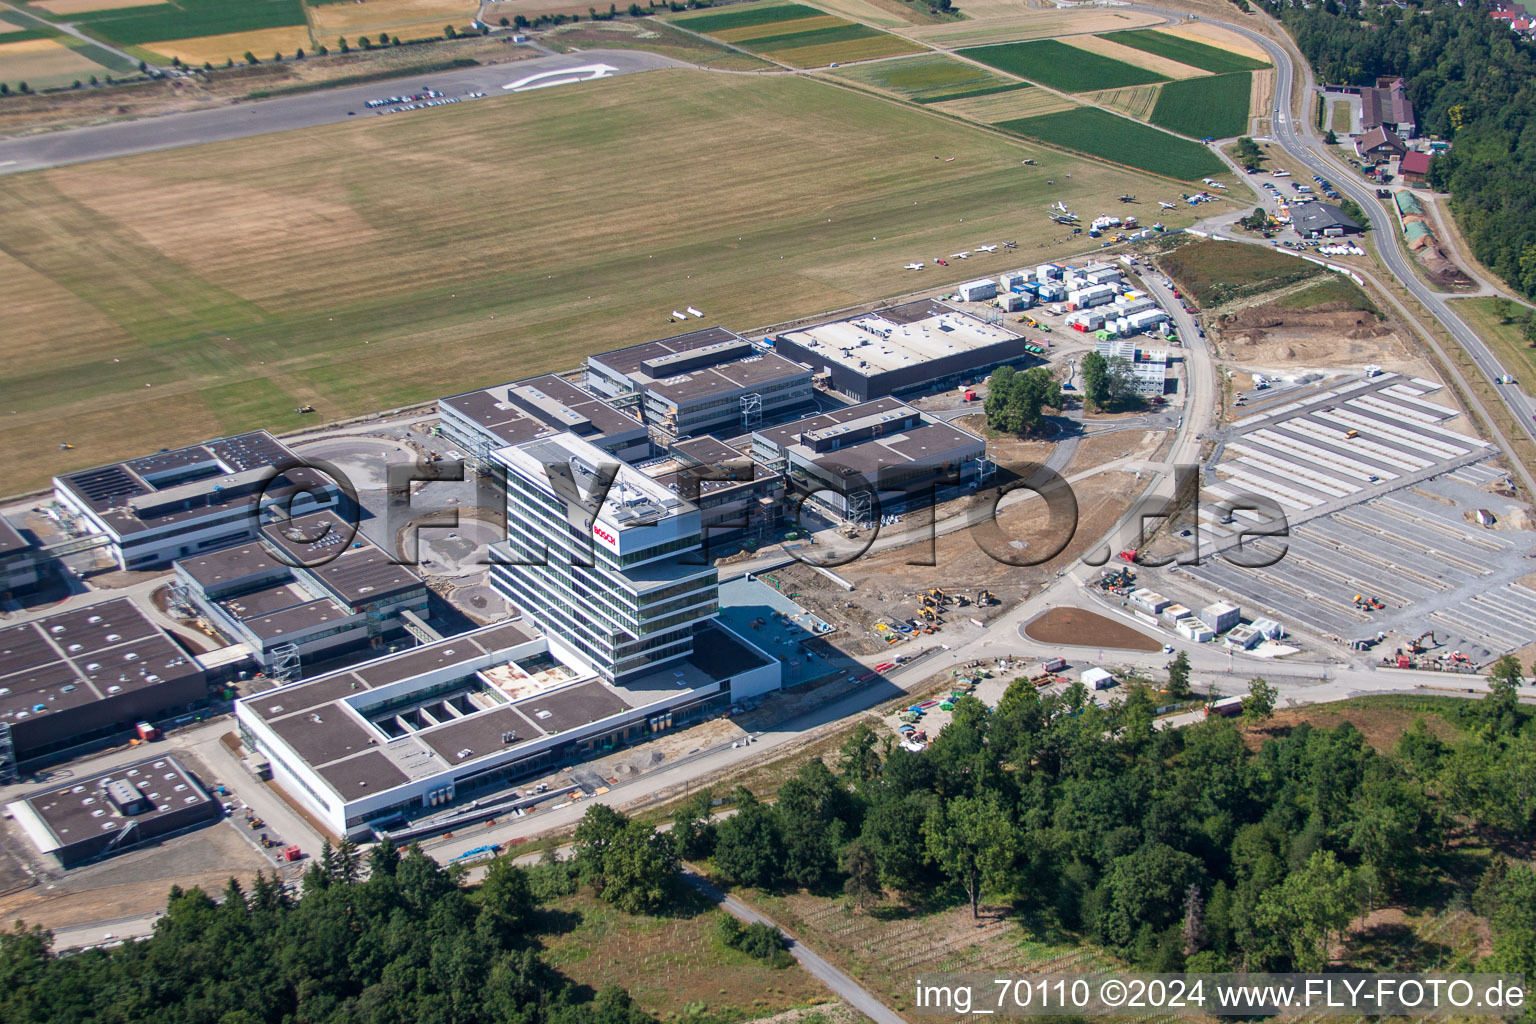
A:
1166	206
960	255
941	262
914	266
986	248
1060	206
1010	245
1127	198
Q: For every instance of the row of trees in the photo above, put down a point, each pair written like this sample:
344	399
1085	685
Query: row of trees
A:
1472	81
408	944
1181	849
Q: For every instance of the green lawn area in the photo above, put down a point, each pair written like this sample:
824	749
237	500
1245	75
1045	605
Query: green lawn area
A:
188	19
747	15
928	78
1213	107
353	268
1185	51
1343	118
1218	272
1507	340
1106	135
1334	289
1059	66
23	35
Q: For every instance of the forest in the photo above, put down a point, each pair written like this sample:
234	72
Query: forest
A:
1175	849
1473	82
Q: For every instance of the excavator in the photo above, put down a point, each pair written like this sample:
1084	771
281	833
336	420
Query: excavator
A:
984	599
1416	646
1368	603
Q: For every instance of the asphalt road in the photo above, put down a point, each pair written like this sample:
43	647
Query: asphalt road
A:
285	113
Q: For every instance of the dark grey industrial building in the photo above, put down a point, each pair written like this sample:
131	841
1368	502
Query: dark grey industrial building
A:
86	819
80	675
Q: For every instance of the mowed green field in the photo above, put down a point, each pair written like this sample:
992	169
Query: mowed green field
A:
1106	135
188	19
152	302
1212	107
928	78
1186	51
1059	66
797	35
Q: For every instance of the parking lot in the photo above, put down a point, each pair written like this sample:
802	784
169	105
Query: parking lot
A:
1382	501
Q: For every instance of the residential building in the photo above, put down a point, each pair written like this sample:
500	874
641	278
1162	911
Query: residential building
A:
1379	144
1414	168
1388	106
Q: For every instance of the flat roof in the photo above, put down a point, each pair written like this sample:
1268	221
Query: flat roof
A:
694	366
681	468
11	540
355	777
632	499
571	707
539	406
903	336
354	568
117	484
83	809
72	658
912	444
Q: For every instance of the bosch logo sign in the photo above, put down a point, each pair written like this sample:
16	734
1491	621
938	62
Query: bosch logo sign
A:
606	537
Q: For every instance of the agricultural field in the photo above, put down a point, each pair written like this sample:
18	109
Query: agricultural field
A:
1004	21
1221	38
408	19
1111	137
893	14
652	35
261	43
1059	66
1009	106
246	278
928	78
797	35
42	62
1213	107
1187	51
1106	49
1134	100
189	20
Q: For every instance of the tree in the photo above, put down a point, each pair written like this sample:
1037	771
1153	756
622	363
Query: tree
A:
341	44
857	759
1504	679
1330	138
23	88
1095	380
1178	675
693	828
365	42
812	809
596	835
1015	400
972	841
862	886
250	58
893	835
1259	705
641	870
749	848
1309	907
143	68
506	901
299	54
1352	210
449	32
1248	152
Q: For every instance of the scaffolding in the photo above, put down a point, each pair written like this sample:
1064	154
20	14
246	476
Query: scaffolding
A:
861	505
751	412
8	772
284	665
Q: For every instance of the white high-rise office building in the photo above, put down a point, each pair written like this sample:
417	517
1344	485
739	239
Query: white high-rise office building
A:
608	559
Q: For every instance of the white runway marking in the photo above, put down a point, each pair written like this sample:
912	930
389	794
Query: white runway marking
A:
560	76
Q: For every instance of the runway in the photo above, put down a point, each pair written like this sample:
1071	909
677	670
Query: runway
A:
307	110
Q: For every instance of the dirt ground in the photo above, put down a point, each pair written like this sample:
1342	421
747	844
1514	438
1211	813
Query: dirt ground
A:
1382	727
125	885
1078	627
1270	336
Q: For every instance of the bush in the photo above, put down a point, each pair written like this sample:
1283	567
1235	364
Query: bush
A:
759	940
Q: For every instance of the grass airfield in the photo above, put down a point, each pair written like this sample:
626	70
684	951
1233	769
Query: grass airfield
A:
396	259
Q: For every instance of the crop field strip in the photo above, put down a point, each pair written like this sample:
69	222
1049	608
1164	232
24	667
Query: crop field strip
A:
1134	100
927	78
1186	51
188	19
249	277
46	65
1111	137
798	35
1010	106
1214	107
1059	66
